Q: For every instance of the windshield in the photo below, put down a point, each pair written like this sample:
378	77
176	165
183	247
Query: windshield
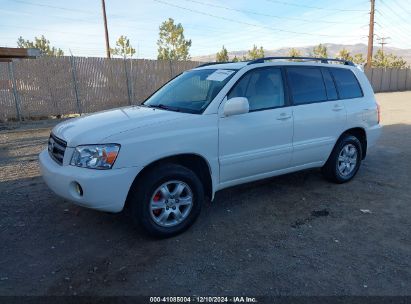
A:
190	92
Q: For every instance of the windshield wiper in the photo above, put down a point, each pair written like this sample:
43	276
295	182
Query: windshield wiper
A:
164	107
170	108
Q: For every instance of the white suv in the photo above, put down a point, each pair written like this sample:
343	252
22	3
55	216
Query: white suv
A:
210	128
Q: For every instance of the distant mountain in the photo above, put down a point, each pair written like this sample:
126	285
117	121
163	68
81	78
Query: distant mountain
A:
332	50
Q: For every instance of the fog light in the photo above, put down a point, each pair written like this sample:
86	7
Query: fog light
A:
78	189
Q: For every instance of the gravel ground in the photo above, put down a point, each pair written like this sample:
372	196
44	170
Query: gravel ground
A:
290	235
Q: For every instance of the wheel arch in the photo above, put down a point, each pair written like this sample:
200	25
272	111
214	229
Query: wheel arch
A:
195	162
361	135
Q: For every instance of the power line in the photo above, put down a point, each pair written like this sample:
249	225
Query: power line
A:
53	31
393	32
399	30
55	7
393	12
63	8
139	25
386	18
96	44
321	27
402	8
316	7
210	29
50	15
268	15
247	23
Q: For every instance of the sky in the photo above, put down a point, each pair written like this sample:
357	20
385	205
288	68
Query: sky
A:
77	26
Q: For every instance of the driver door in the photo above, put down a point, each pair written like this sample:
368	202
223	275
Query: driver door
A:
256	144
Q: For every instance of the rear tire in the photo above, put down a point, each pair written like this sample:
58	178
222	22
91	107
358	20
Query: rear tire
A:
166	200
344	161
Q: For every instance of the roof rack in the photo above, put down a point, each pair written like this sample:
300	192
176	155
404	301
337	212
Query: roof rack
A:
209	63
212	63
323	60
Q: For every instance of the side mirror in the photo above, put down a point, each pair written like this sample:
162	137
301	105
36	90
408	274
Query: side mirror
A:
236	106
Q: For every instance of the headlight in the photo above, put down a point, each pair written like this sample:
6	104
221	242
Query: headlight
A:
95	156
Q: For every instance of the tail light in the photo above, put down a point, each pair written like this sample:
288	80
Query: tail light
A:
379	112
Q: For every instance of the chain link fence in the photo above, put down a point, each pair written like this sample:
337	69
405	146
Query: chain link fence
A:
389	80
51	86
56	86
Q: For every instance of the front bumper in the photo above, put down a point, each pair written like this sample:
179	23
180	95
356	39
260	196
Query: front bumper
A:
104	190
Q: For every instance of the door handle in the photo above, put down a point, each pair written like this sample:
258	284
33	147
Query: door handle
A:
338	108
284	116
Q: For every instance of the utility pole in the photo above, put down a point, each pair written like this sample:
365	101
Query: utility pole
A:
383	39
371	34
103	3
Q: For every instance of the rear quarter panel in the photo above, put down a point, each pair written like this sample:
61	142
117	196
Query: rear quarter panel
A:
362	112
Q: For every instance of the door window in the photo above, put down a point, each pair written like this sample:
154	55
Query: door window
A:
263	88
329	85
307	85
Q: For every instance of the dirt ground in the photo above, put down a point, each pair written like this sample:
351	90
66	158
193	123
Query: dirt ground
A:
292	235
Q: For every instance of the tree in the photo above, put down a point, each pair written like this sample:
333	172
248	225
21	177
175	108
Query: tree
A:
42	44
235	59
124	48
294	53
381	60
344	54
255	53
320	51
222	56
397	62
359	59
171	43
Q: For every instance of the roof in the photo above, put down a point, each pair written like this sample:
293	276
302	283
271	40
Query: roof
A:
6	54
278	61
225	65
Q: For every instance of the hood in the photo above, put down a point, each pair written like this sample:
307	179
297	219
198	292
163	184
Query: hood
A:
94	128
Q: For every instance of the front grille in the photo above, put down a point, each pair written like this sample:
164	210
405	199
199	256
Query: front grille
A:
56	147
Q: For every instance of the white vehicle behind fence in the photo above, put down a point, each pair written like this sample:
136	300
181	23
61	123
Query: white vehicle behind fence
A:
210	128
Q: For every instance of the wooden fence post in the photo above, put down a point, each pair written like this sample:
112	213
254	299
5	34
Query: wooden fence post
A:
127	81
171	68
74	78
371	78
131	81
15	92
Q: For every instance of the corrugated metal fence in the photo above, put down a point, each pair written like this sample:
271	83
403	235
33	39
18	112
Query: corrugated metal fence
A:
49	86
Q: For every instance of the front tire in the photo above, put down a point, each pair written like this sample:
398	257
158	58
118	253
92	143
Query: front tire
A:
344	161
167	200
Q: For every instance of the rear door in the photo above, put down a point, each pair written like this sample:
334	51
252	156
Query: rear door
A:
319	117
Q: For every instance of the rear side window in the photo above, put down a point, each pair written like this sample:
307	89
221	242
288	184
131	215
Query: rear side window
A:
306	85
347	83
329	85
